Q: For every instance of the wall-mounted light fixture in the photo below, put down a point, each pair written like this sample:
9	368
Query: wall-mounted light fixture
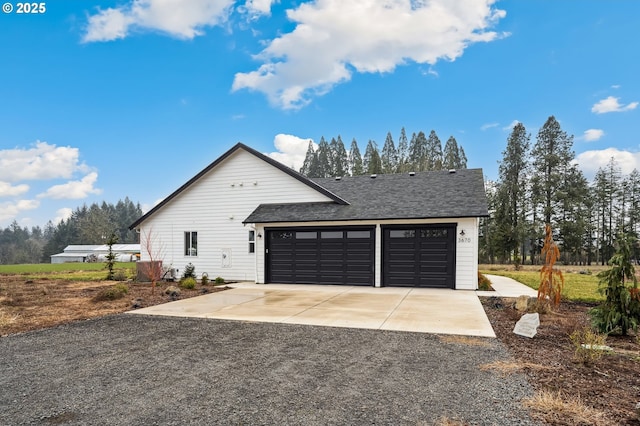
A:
462	233
259	235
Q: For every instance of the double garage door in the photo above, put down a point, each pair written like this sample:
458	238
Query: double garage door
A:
413	256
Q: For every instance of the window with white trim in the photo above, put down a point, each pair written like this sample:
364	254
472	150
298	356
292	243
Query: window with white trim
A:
252	241
190	243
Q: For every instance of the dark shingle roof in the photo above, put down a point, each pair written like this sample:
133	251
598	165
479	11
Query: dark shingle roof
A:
437	194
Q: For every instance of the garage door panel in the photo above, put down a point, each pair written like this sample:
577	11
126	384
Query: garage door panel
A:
321	256
419	256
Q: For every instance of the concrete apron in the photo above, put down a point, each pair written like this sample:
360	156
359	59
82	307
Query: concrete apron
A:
419	310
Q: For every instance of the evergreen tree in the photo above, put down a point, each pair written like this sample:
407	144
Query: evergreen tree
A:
403	153
453	155
340	158
356	166
418	152
512	190
463	158
310	161
372	162
389	155
324	168
433	152
551	154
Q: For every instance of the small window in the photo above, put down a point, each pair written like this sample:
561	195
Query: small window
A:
330	234
433	233
282	235
306	235
358	234
190	243
252	241
408	233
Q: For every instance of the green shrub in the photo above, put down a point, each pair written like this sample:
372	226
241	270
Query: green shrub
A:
205	279
113	293
620	311
120	275
188	283
589	345
484	283
219	280
189	272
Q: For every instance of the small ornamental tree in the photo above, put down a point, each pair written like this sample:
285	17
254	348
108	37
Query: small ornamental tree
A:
154	251
111	256
621	309
551	279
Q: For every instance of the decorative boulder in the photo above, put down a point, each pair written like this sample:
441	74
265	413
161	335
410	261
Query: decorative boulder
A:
528	325
172	291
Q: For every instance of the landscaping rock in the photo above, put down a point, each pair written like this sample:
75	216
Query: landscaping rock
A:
172	291
137	303
526	303
528	325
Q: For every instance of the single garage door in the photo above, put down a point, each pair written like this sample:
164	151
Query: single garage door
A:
321	255
419	256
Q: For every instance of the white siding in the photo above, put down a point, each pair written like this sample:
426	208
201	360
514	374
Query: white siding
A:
215	207
466	247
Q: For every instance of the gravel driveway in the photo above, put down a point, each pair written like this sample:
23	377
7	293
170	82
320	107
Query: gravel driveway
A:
134	370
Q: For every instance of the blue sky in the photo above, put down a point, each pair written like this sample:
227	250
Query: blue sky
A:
100	100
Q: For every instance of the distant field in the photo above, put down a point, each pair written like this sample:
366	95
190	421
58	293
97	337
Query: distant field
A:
72	271
582	287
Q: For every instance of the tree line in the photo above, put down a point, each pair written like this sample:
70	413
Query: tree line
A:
87	225
420	153
541	184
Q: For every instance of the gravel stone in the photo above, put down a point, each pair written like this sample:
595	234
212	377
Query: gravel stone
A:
146	370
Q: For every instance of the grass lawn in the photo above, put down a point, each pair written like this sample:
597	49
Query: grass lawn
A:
577	287
70	271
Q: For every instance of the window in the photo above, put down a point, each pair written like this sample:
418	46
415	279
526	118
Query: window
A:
358	234
331	234
190	243
409	233
306	235
252	241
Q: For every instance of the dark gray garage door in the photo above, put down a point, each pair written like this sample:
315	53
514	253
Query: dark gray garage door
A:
419	256
320	256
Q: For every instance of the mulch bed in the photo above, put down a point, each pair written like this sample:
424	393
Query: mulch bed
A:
610	385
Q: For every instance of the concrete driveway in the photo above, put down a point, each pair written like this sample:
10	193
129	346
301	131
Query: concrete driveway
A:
420	310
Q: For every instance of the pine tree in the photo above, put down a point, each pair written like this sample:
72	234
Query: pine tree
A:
403	152
340	158
418	152
512	190
452	155
551	153
372	162
389	155
324	160
433	152
356	166
310	161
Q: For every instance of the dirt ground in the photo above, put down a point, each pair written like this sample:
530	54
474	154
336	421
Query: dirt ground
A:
609	387
33	304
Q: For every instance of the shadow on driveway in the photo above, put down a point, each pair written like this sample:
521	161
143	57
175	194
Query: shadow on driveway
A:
135	369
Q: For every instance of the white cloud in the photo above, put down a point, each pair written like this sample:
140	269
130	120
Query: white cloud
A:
488	126
76	189
257	8
179	18
591	135
41	162
10	210
62	214
510	126
611	104
590	161
291	150
8	190
333	38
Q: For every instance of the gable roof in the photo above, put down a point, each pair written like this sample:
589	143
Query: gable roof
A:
223	157
423	195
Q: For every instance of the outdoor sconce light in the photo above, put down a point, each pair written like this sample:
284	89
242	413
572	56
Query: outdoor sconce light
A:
259	235
462	233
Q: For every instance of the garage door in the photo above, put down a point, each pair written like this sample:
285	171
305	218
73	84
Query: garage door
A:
419	256
321	256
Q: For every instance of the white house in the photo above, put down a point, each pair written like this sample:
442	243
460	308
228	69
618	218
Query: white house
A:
248	217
